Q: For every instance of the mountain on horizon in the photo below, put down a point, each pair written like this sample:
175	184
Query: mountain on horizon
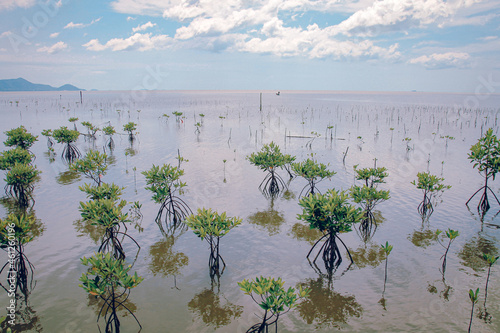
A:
21	84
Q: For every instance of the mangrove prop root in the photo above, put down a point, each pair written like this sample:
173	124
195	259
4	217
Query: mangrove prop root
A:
272	185
176	211
330	252
483	204
425	208
23	269
367	226
111	243
70	153
22	193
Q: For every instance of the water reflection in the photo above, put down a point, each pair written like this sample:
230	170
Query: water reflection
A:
269	220
68	177
25	317
85	227
165	261
471	254
368	254
326	308
423	238
302	232
214	309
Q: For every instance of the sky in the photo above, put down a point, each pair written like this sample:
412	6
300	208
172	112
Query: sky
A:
363	45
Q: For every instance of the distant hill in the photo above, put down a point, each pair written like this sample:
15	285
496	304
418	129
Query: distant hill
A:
21	84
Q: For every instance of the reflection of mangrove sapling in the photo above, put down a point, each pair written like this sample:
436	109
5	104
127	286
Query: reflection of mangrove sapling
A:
275	300
108	278
15	232
313	172
451	235
164	182
331	214
211	226
109	131
485	155
93	166
431	186
269	159
91	129
68	137
473	296
130	127
20	181
20	137
108	214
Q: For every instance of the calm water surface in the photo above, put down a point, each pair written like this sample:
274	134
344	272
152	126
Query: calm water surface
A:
177	294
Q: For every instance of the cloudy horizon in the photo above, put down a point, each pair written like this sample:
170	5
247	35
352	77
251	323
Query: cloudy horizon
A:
365	45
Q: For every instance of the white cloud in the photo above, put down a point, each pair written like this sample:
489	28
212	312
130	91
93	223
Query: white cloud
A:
488	38
72	25
143	27
54	35
139	42
57	47
130	18
10	4
443	60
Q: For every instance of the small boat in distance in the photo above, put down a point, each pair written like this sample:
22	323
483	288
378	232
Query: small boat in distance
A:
278	93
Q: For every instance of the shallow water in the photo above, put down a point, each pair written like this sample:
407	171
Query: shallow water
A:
177	294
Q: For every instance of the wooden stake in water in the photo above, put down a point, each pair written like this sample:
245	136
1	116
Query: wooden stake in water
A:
260	101
81	97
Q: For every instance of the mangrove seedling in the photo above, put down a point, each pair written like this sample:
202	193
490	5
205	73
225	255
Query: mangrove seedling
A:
73	120
387	250
109	131
431	186
451	235
164	181
105	191
371	176
15	232
490	260
130	127
67	137
177	115
108	279
313	172
473	296
268	160
407	141
18	155
48	133
108	214
91	129
93	166
20	137
275	300
485	155
331	214
20	181
211	226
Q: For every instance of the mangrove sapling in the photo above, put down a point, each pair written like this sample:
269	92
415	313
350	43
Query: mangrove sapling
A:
94	166
485	155
275	300
269	159
431	186
105	191
48	133
210	225
108	214
20	137
10	157
15	232
164	181
331	214
490	260
387	250
108	279
473	296
109	131
371	176
451	235
20	181
130	127
368	197
73	120
91	129
313	172
67	137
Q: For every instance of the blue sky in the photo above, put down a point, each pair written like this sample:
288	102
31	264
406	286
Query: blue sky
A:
363	45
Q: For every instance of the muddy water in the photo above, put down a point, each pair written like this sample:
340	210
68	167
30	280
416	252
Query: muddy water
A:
177	294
